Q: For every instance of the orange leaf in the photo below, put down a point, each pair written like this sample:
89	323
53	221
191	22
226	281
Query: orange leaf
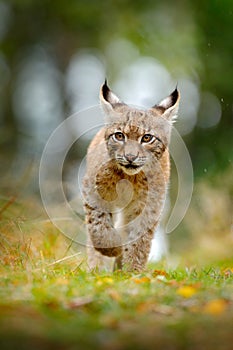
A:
141	280
144	307
159	273
215	307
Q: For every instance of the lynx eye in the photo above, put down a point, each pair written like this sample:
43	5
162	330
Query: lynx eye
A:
147	138
119	136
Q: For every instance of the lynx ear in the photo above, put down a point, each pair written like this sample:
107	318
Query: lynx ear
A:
109	101
168	107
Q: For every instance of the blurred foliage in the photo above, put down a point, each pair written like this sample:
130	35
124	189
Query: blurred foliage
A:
214	19
50	301
193	37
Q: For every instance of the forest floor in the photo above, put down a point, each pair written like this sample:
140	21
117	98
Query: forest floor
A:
48	299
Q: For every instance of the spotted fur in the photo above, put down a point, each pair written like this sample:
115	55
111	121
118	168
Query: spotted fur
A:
127	176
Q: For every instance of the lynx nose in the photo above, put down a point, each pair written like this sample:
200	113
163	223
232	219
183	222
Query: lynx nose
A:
130	157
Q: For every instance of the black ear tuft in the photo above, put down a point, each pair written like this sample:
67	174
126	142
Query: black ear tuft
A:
105	90
168	107
174	96
107	95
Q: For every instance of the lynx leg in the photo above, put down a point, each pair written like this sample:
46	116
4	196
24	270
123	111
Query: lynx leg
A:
96	260
135	254
105	239
118	264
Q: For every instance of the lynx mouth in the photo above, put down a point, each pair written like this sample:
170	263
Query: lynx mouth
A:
131	166
131	169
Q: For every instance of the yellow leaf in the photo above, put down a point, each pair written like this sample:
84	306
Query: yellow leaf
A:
108	280
104	280
186	291
215	307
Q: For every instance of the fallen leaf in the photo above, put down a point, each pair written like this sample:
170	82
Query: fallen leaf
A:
165	310
104	280
79	302
108	280
186	291
143	279
215	307
159	273
144	307
149	306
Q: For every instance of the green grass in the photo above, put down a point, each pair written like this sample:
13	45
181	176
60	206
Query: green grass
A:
48	299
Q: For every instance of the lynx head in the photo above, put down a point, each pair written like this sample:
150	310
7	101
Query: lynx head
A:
133	136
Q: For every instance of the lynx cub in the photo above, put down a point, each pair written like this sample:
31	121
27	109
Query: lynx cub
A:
126	180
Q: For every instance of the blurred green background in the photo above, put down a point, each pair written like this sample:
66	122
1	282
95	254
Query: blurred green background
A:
54	55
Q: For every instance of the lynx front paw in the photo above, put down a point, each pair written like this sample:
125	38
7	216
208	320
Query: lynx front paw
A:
108	243
111	252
